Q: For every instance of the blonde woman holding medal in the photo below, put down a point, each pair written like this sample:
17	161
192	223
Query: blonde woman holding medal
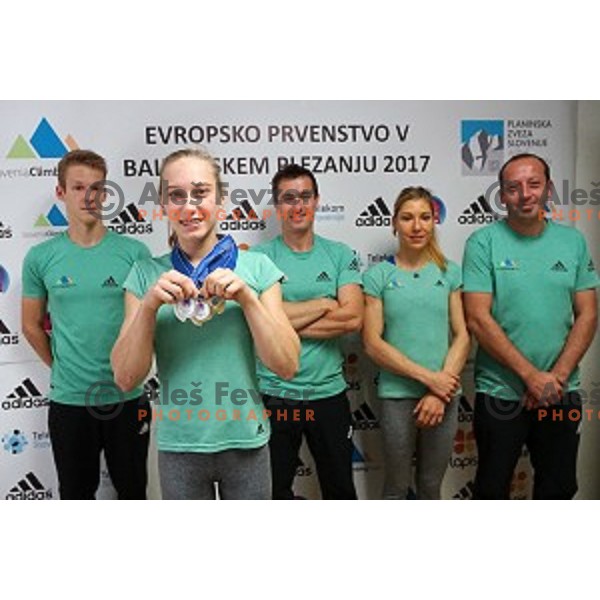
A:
206	310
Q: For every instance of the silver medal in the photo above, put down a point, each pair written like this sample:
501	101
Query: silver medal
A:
184	310
202	312
199	311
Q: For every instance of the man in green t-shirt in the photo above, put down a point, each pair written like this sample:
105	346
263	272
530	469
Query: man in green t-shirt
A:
323	300
77	277
530	300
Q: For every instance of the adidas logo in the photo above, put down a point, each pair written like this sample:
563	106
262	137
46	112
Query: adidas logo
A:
323	276
354	265
465	411
25	395
590	266
363	418
559	267
7	338
260	429
377	214
477	212
29	488
439	283
465	493
5	231
110	282
243	218
303	470
130	221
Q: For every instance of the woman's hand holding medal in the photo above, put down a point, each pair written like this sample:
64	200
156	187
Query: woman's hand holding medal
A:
197	305
171	288
225	284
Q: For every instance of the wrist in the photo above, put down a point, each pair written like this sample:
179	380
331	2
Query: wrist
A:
148	305
526	373
246	298
561	374
423	376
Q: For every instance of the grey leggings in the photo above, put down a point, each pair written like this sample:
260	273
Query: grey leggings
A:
240	475
401	438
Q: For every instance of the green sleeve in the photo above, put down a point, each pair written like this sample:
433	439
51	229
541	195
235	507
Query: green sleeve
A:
348	267
373	281
477	265
136	281
587	278
268	273
454	276
142	252
33	282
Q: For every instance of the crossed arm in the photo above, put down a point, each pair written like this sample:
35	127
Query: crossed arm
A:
323	318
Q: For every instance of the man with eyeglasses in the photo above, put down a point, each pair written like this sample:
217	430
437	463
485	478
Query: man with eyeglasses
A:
323	300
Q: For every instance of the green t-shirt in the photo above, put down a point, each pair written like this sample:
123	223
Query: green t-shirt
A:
84	292
416	318
318	273
209	398
532	280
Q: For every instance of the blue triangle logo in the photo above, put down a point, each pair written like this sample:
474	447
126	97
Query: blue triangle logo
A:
46	143
56	218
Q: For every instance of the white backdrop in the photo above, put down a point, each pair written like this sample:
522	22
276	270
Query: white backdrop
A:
362	154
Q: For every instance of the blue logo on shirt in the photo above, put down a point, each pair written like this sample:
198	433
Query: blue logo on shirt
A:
394	284
508	265
64	282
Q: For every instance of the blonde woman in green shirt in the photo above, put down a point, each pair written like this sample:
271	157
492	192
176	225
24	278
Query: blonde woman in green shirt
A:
413	308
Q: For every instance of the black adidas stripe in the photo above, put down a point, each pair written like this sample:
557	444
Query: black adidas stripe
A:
130	214
377	208
3	328
479	207
135	213
21	392
366	409
382	207
243	212
464	492
31	482
464	404
31	387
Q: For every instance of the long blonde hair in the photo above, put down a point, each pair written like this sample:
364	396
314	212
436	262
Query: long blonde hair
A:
420	193
200	154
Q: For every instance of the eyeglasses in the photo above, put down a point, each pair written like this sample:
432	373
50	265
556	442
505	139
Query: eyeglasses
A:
293	198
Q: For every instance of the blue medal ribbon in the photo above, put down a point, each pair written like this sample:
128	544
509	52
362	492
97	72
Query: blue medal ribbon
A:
223	256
